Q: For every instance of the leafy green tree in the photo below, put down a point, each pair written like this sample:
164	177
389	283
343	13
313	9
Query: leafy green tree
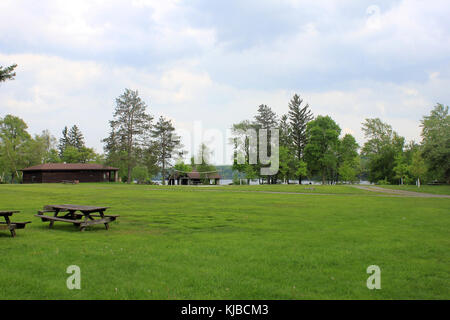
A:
49	145
321	152
348	172
348	148
182	167
380	149
129	129
242	145
88	155
203	165
140	174
436	143
286	163
299	118
83	155
165	142
41	149
400	168
71	155
301	169
418	168
7	73
148	157
116	155
52	156
348	158
14	142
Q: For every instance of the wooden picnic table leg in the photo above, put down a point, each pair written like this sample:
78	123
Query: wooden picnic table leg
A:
72	215
86	219
11	228
102	215
53	221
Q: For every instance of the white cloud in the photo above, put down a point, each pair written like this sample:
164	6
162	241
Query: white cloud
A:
75	58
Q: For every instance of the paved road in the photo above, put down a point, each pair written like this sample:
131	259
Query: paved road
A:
401	192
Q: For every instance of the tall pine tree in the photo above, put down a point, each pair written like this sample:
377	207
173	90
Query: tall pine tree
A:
299	117
266	118
7	73
63	141
129	128
165	143
75	138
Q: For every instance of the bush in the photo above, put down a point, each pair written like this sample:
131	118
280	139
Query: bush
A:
383	182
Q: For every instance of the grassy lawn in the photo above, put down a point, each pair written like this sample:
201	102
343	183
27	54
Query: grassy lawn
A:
181	243
296	188
444	189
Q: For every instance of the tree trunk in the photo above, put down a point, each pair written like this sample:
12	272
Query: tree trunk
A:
163	174
129	173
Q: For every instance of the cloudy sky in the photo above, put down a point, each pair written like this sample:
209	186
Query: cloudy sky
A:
216	61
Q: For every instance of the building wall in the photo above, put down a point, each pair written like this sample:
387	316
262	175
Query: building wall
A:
32	177
58	176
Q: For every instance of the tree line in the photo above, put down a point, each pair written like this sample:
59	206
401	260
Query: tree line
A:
312	147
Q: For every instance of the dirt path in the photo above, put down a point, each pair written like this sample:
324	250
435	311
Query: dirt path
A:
401	192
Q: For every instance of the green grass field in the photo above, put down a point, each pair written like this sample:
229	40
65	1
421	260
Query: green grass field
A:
325	189
188	243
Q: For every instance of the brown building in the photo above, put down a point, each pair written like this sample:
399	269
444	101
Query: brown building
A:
58	172
194	177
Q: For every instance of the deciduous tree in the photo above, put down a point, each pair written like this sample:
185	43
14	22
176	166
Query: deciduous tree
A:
380	149
321	151
436	142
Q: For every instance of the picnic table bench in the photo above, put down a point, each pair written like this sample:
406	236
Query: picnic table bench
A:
79	216
11	226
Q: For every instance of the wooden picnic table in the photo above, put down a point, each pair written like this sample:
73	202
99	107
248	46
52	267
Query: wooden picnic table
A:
9	225
80	216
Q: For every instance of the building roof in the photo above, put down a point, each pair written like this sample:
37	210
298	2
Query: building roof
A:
69	167
194	174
